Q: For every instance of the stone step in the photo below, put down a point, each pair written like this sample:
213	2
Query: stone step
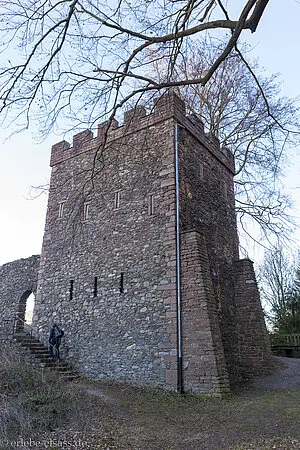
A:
40	353
45	358
44	354
28	341
65	372
22	333
33	347
70	376
64	369
21	336
33	342
36	346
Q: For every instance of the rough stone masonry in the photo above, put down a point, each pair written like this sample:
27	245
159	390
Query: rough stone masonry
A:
140	264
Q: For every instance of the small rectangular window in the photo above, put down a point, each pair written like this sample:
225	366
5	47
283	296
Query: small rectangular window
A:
71	291
61	209
151	205
86	211
117	199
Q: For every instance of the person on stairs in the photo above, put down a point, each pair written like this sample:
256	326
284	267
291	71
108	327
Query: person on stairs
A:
54	341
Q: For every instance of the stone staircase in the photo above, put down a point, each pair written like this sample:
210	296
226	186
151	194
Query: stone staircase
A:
41	353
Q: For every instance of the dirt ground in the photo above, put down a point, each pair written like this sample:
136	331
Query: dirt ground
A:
56	414
286	376
264	414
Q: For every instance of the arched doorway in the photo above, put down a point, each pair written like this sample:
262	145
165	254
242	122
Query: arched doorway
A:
26	305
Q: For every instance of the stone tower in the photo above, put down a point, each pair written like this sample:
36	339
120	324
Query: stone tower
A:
140	256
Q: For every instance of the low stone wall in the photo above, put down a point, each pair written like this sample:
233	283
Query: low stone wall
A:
18	279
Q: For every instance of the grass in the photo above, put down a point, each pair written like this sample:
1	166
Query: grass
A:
34	402
102	415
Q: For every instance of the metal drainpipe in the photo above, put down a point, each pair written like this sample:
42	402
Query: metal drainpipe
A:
178	274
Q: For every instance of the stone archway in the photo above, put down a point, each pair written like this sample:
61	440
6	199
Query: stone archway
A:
30	304
22	309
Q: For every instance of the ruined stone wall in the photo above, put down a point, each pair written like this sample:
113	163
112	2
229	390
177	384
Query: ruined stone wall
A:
18	279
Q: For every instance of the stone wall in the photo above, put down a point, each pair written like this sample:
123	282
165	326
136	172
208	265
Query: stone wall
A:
123	250
207	205
204	361
18	279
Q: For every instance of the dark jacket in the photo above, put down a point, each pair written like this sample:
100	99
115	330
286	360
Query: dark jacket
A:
55	336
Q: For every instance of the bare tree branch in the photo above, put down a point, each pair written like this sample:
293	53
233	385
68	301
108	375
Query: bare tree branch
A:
67	36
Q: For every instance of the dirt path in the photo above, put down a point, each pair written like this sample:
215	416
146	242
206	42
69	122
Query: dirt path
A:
285	377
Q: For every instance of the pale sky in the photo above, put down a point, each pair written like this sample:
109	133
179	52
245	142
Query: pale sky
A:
25	164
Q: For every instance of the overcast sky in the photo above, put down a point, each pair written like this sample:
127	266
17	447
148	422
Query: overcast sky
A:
25	164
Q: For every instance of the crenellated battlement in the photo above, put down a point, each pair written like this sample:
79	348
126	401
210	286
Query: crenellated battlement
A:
134	114
105	127
136	119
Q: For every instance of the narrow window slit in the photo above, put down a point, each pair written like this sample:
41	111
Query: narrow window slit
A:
61	209
151	205
117	199
201	171
225	190
71	289
121	283
95	287
86	211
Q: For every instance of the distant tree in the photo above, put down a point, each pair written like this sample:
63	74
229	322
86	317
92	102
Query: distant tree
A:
279	279
289	322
